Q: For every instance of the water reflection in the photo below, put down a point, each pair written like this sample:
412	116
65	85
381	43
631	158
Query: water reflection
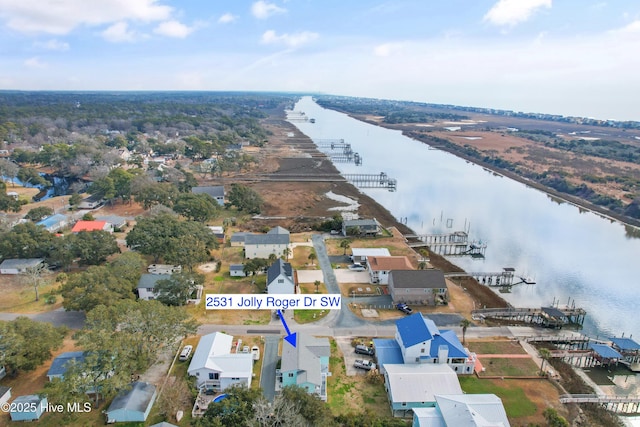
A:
572	254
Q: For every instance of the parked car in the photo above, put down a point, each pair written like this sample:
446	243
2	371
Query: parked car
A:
185	353
245	349
404	308
255	352
363	349
356	267
367	365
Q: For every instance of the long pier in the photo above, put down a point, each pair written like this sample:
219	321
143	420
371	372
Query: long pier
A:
372	181
339	151
550	317
449	244
616	404
504	278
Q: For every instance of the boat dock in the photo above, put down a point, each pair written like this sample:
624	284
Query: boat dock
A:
549	317
380	180
449	244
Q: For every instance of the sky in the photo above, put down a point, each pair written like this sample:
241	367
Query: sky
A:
569	57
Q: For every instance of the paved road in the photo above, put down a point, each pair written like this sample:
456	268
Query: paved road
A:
59	317
269	363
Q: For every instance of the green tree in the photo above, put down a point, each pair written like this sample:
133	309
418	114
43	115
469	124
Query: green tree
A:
178	288
26	344
345	244
237	409
312	257
312	409
156	193
103	188
545	355
196	207
25	241
98	285
553	419
8	203
75	200
245	199
93	247
31	176
128	266
36	214
317	285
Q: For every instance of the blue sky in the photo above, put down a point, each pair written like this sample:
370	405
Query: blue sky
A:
571	57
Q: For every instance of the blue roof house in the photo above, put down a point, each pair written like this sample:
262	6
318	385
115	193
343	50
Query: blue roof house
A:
54	223
306	365
132	405
420	341
28	408
61	363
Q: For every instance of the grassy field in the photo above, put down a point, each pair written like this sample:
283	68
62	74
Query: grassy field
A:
496	347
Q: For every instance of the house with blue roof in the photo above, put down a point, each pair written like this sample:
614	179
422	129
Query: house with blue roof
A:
281	278
54	223
61	363
418	340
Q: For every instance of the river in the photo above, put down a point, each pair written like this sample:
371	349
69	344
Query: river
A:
574	256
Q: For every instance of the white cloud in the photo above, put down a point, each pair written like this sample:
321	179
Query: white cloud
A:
262	10
387	49
632	28
291	40
34	63
119	33
62	16
173	29
227	18
513	12
52	44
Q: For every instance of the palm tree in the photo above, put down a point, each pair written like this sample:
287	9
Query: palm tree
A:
545	355
464	323
345	244
317	283
286	252
312	257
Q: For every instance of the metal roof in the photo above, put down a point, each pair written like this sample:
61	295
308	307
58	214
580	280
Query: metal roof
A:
554	312
472	410
625	344
61	363
415	329
138	398
449	339
210	345
236	267
370	252
212	190
305	357
387	351
52	220
278	230
20	263
428	417
88	226
421	382
605	351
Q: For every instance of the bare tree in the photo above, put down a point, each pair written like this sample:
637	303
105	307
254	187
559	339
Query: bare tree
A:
174	397
35	276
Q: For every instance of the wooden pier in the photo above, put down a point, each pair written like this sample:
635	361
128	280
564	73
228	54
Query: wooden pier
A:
339	151
296	116
549	317
372	181
616	404
449	244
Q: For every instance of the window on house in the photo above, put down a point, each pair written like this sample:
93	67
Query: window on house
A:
290	374
417	359
280	280
238	379
422	350
404	403
149	289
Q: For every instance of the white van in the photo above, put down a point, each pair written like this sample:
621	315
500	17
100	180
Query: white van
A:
186	352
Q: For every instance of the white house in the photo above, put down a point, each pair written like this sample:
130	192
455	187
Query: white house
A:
281	278
275	241
237	270
19	265
147	285
306	365
216	368
360	255
415	386
379	267
216	192
472	410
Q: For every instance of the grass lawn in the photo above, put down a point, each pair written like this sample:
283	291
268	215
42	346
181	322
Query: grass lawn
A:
524	367
495	347
515	401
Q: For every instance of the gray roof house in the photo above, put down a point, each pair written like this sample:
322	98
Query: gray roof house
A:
147	283
281	278
19	265
236	270
115	220
237	239
361	227
275	241
216	192
305	365
419	287
132	405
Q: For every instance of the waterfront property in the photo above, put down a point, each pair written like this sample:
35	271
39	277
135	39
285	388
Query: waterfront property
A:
361	227
380	267
415	386
418	287
132	405
473	410
305	365
360	255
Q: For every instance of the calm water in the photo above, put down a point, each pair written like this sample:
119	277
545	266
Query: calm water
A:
573	255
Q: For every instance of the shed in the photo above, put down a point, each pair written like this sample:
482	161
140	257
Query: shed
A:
133	404
28	408
237	270
5	394
19	265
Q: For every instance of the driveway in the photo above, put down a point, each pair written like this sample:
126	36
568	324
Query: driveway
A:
341	275
269	363
350	356
59	317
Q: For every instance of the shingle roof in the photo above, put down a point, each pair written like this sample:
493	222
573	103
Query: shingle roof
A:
136	399
213	191
150	280
360	223
20	263
239	236
236	267
277	268
266	239
430	279
386	263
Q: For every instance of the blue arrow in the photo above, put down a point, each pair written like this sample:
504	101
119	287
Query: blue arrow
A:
291	338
